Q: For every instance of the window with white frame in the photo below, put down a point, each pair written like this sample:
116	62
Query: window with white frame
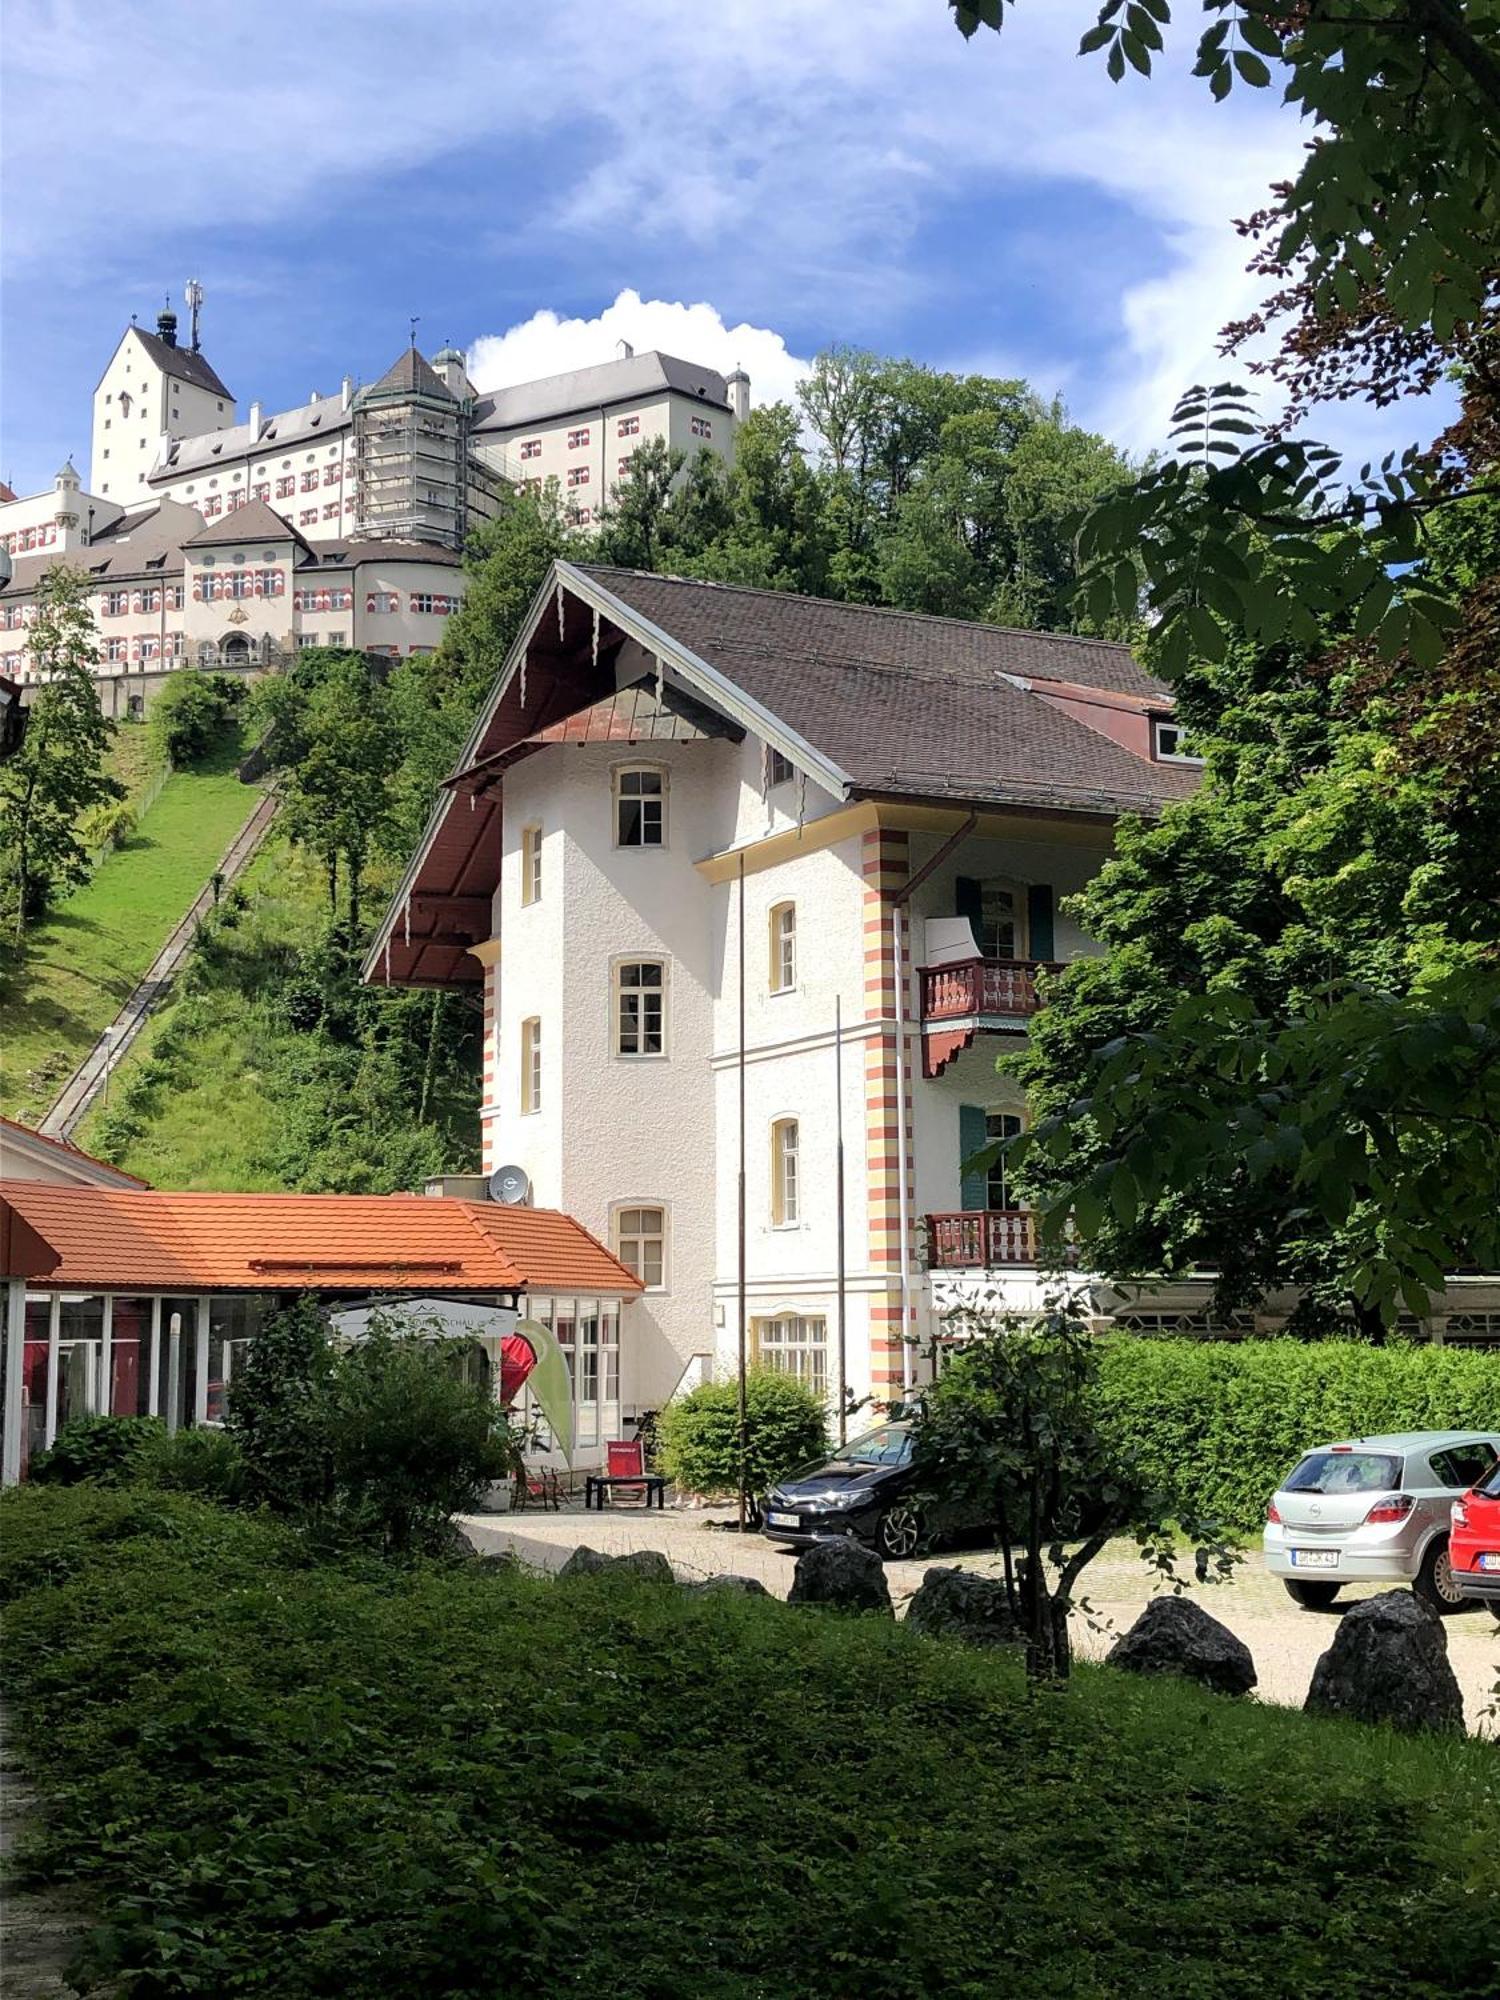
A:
531	864
778	768
998	1192
786	1173
578	440
578	475
641	1244
628	427
285	487
794	1344
641	807
702	428
531	1065
640	1008
783	922
532	448
1172	743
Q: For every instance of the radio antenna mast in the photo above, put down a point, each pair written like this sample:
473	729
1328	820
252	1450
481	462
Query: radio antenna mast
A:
193	293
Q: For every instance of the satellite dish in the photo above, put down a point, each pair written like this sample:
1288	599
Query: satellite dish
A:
510	1185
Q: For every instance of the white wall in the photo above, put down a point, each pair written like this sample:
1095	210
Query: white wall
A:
126	446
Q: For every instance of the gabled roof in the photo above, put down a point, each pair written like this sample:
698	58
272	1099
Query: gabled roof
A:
23	1148
254	522
608	382
320	420
410	375
183	363
116	1239
133	545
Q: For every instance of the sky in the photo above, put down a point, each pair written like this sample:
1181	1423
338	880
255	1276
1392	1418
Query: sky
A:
742	185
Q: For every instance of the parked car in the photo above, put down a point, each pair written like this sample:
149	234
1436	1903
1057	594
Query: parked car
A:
1474	1543
864	1490
1375	1510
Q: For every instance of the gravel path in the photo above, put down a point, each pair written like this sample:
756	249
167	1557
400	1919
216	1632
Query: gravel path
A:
1284	1639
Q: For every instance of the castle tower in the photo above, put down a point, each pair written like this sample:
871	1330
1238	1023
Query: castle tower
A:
411	451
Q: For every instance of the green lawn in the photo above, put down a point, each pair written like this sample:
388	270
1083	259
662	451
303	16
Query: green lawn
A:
271	1774
130	760
81	964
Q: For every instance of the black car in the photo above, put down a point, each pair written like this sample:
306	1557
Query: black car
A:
865	1490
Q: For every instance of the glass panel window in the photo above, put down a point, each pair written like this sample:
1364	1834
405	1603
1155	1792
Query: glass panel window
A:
531	864
702	427
778	768
640	1243
783	947
1000	1125
629	427
578	440
531	1065
1173	744
640	809
640	1015
1001	931
785	1173
795	1345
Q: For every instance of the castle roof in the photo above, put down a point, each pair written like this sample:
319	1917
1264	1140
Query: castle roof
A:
182	363
410	375
254	522
581	389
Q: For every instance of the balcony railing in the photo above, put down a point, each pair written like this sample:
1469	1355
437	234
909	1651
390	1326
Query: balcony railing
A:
982	986
977	1239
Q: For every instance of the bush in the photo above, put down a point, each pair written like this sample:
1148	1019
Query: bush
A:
207	1463
109	825
1218	1424
187	717
786	1425
280	1412
106	1451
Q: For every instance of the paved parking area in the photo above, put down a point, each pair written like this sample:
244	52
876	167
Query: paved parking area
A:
1284	1639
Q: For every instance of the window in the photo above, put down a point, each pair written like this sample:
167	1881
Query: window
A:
1171	742
531	1065
578	440
778	768
641	1244
531	864
310	482
236	500
332	474
625	465
1345	1472
794	1345
211	506
783	921
305	640
628	427
640	1018
114	649
1462	1465
382	601
640	808
702	428
116	602
582	516
784	1173
532	448
439	607
330	510
261	492
174	596
284	487
150	599
996	911
578	475
997	1189
306	518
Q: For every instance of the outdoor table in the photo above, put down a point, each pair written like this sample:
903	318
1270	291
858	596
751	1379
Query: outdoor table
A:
597	1484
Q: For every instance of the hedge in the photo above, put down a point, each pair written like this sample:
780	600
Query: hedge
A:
786	1428
1218	1425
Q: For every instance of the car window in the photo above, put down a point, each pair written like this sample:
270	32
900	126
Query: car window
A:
1491	1487
1462	1465
1345	1472
888	1446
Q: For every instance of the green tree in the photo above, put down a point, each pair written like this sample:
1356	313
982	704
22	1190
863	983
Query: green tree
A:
633	522
190	712
55	777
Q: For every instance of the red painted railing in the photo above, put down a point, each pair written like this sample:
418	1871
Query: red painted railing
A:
981	986
976	1239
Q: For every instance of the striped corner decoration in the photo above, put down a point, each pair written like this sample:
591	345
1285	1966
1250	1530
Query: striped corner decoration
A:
885	864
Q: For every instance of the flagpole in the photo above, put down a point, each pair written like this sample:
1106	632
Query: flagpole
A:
744	1427
838	1113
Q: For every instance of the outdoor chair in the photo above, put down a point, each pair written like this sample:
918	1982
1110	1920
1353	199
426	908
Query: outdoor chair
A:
625	1458
539	1486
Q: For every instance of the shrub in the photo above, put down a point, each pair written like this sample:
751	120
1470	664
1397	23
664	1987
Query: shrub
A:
280	1412
786	1426
208	1463
109	825
106	1451
188	715
1217	1424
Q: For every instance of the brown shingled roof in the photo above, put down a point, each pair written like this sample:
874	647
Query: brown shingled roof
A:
254	522
184	364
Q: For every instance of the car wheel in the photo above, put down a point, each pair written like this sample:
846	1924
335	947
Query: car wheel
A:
1435	1583
898	1533
1311	1596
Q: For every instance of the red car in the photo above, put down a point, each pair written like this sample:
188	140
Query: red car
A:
1474	1542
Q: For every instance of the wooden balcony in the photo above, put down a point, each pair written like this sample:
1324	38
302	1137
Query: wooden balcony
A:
991	995
979	1239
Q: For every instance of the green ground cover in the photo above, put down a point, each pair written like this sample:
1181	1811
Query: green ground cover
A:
274	1775
80	965
132	760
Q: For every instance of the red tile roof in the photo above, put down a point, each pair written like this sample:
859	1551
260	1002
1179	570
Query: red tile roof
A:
75	1155
124	1239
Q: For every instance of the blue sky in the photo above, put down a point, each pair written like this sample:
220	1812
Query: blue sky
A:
798	171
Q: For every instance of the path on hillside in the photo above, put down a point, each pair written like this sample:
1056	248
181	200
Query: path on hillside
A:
39	1928
91	1075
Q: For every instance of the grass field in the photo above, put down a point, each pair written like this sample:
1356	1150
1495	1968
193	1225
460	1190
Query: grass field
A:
81	964
130	760
273	1774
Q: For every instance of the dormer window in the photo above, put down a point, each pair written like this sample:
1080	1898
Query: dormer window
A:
1171	743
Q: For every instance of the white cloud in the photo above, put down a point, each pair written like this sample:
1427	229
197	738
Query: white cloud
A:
546	344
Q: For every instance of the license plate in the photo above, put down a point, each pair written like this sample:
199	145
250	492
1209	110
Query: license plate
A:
781	1520
1489	1562
1315	1558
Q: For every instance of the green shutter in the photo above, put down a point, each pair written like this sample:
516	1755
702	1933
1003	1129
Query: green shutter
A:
1039	920
973	1137
968	901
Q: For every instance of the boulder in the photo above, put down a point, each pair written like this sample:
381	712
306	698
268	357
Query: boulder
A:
957	1604
1175	1636
747	1586
1389	1663
843	1575
649	1564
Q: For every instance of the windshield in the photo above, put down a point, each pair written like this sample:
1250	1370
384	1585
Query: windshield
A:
888	1446
1345	1472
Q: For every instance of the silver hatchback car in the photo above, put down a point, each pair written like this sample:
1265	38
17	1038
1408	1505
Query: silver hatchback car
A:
1374	1510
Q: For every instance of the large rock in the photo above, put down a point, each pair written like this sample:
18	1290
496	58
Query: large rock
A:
1175	1636
747	1586
842	1574
1389	1663
956	1604
649	1564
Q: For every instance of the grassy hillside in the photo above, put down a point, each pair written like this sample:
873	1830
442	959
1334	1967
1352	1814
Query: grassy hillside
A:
80	965
315	1778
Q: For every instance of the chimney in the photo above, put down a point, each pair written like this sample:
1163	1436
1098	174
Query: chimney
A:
313	396
738	385
346	394
255	415
624	349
